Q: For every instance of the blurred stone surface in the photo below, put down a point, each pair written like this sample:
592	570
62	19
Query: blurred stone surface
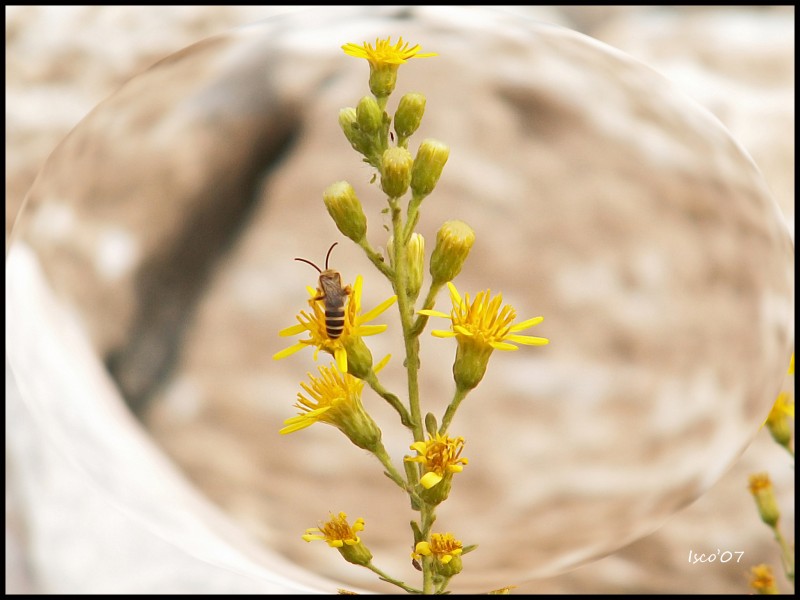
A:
217	441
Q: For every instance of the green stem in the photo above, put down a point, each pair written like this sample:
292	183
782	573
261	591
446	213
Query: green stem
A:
400	282
376	259
430	300
787	555
392	580
394	475
393	400
460	394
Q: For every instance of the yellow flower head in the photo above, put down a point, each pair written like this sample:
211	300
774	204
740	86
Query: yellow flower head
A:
335	398
480	327
762	580
384	60
445	548
440	456
350	339
384	53
338	533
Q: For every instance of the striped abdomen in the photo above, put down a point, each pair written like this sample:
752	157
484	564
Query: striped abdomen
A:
331	293
334	320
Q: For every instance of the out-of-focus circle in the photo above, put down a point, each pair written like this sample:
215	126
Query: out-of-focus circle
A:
601	198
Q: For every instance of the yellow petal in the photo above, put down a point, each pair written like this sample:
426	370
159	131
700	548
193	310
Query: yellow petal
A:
368	316
292	330
340	354
429	480
528	340
288	351
442	334
365	330
433	313
503	346
454	293
526	324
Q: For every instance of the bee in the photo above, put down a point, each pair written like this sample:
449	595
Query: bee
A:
330	290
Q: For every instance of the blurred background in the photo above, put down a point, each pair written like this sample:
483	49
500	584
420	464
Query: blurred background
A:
61	62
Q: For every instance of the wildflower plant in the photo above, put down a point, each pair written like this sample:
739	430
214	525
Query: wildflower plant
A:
480	323
779	422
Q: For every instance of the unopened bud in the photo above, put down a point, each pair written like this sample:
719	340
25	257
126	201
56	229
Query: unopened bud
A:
396	165
348	121
345	210
764	495
431	158
409	115
369	115
453	243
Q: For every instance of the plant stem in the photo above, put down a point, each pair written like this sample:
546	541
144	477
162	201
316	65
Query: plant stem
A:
390	579
376	259
430	300
394	475
400	283
393	400
459	395
787	556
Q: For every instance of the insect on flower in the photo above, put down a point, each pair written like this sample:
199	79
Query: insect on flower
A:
331	292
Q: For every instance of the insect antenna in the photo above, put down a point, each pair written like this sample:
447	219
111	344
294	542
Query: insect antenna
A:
310	263
328	255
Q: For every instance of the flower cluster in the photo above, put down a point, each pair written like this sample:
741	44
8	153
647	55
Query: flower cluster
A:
334	323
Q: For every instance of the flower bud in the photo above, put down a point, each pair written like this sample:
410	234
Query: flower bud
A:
348	121
409	115
396	166
416	263
357	554
431	158
454	240
470	364
359	357
778	421
345	210
369	115
764	495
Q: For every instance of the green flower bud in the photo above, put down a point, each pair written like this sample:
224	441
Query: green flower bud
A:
369	115
357	554
470	364
431	158
348	121
416	263
345	210
396	166
764	495
359	358
453	242
409	115
415	255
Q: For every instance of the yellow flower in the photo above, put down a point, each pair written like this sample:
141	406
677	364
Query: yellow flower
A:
349	342
440	458
762	580
446	549
384	53
338	533
334	398
480	327
384	60
440	455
